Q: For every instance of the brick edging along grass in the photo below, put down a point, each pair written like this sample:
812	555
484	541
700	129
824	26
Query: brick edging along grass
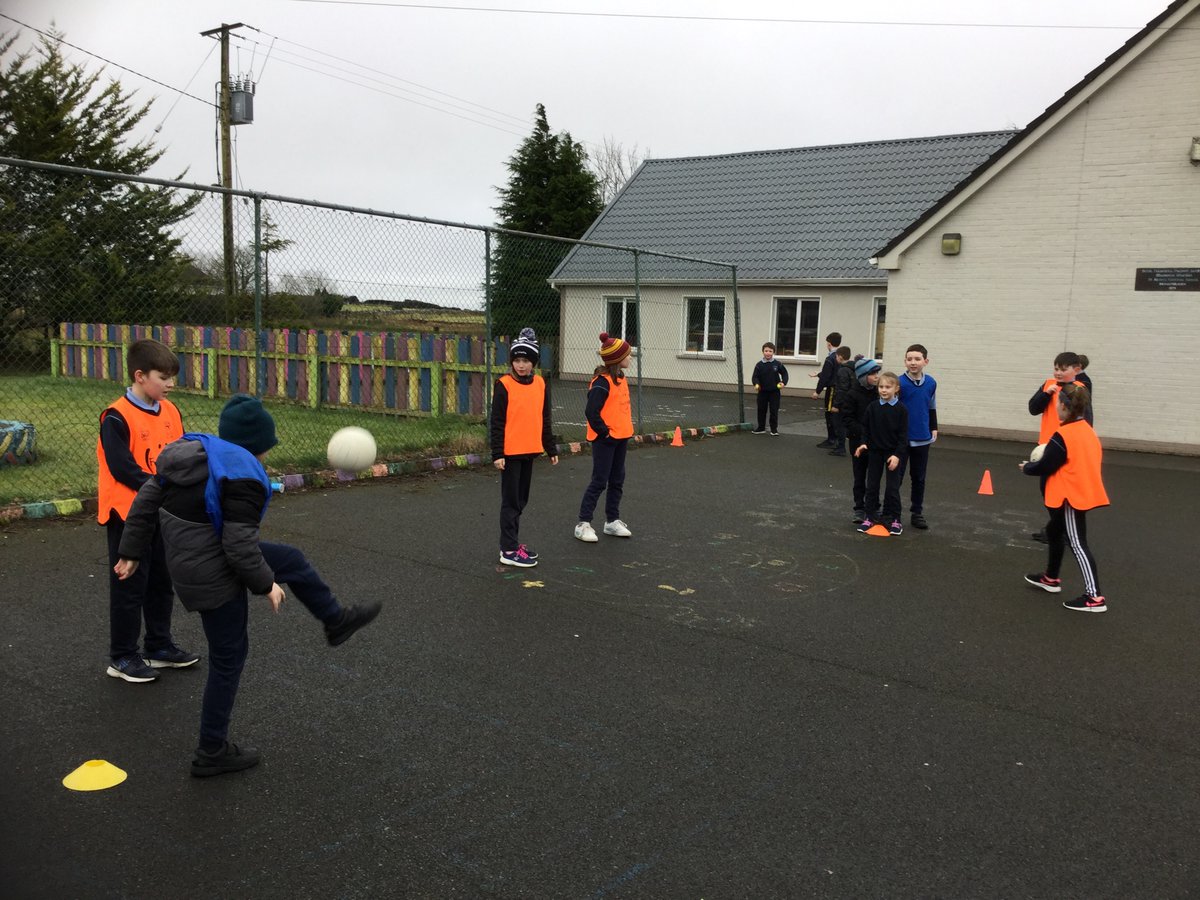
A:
46	509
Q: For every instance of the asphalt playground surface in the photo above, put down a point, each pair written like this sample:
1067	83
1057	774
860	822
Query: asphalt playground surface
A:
747	699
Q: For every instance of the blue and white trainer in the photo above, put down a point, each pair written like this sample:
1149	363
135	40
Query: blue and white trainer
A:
132	668
171	657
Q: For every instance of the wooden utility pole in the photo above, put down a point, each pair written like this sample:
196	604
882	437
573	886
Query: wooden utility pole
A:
226	170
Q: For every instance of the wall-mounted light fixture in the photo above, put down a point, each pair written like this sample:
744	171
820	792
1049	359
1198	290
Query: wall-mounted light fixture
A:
951	244
1194	156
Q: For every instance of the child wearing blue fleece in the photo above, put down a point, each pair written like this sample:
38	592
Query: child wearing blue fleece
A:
918	393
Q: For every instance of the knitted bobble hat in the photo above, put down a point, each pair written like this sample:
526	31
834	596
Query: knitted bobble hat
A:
246	423
612	349
866	366
525	347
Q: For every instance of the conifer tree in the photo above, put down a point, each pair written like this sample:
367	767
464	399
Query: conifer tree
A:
550	191
78	248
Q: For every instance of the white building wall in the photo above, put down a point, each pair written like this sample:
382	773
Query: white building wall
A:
848	310
1049	253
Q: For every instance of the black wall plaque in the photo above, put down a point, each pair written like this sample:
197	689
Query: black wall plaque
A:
1167	280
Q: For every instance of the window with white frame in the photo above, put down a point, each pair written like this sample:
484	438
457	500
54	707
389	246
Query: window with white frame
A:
796	323
705	325
621	319
880	325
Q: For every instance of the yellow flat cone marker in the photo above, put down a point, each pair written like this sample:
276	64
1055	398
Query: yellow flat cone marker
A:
95	775
878	531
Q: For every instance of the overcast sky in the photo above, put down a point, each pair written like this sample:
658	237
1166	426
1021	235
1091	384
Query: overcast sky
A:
412	109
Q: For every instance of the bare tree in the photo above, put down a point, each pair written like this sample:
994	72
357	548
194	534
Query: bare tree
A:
614	166
305	283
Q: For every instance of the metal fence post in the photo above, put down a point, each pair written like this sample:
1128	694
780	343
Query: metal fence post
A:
737	330
489	340
260	381
637	320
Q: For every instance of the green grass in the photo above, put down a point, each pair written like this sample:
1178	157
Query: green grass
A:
66	414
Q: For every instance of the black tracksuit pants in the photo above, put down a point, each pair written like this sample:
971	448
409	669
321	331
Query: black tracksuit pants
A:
514	494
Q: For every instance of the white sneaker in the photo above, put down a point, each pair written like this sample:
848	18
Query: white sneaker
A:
585	532
617	529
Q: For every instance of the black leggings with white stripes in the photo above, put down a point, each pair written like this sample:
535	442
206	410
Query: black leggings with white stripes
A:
1069	526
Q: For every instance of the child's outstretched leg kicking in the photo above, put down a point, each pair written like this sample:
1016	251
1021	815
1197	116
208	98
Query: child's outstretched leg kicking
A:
292	568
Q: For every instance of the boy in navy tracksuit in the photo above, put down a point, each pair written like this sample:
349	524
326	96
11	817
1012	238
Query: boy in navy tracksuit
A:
843	382
770	375
918	393
825	383
885	441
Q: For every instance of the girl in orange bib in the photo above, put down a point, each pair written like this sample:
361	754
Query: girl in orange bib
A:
1072	485
520	433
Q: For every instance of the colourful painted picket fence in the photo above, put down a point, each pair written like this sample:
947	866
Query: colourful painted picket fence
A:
414	373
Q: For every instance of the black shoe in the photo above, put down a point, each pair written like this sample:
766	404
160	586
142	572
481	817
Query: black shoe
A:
1045	582
351	619
838	452
1085	603
230	758
774	433
859	515
759	431
918	521
1040	537
826	444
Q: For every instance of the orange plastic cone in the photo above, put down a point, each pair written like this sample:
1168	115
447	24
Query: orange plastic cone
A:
879	530
678	439
985	486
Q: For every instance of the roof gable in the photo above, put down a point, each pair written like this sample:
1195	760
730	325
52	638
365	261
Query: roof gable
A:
888	255
810	213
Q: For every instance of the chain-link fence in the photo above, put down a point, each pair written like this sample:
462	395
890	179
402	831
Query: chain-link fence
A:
333	315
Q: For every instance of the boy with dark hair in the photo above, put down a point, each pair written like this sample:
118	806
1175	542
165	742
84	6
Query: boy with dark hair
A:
1067	366
885	441
852	409
133	431
918	393
843	380
833	340
209	497
770	375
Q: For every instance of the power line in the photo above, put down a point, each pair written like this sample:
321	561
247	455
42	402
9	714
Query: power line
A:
517	119
400	97
682	18
186	86
104	59
285	54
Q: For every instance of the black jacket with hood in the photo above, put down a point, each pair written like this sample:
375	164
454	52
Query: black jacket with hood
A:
853	409
208	569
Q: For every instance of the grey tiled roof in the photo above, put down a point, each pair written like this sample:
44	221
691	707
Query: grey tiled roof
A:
804	214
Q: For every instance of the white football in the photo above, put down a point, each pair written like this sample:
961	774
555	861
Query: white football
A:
351	449
1037	452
